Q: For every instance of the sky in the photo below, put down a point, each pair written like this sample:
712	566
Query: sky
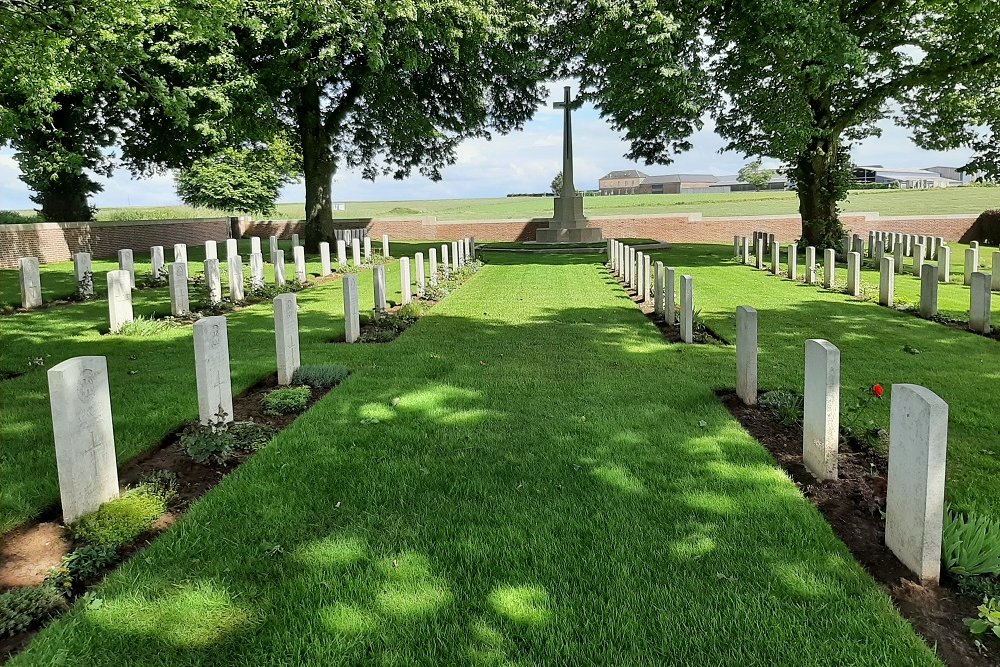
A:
524	161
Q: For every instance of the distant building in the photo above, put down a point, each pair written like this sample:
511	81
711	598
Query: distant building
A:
632	182
734	184
907	179
624	182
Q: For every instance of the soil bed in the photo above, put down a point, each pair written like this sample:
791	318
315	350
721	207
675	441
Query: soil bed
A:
853	505
702	334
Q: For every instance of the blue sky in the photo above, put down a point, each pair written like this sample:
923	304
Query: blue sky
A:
521	162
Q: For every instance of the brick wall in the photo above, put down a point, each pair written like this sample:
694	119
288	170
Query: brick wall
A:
55	242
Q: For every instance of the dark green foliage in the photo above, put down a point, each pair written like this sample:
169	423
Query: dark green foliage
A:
23	608
208	444
978	587
320	376
80	567
119	521
988	620
985	230
286	400
786	405
971	544
15	218
162	484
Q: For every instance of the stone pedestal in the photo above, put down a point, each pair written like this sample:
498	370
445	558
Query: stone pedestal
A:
568	225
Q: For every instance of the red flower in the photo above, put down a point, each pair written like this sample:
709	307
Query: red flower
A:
878	390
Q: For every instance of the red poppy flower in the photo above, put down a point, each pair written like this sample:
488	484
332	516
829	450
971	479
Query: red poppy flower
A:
878	390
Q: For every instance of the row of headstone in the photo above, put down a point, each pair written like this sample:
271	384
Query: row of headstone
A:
881	242
918	444
632	267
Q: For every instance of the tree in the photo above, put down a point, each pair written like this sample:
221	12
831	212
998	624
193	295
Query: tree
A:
557	184
755	175
246	180
800	81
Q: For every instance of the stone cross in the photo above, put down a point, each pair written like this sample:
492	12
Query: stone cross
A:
119	300
84	274
821	409
918	448
404	279
746	355
127	263
568	105
286	336
213	281
324	259
352	313
80	399
179	302
211	364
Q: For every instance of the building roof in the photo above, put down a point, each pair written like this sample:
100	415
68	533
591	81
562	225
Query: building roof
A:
728	181
680	178
906	174
625	173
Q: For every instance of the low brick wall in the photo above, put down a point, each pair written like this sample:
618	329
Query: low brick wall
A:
56	242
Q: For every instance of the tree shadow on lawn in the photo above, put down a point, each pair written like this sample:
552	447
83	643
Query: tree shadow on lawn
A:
567	488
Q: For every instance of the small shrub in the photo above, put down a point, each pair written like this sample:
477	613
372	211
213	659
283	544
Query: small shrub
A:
866	432
162	484
786	405
410	312
286	400
435	292
85	288
321	376
378	336
80	567
220	442
118	522
989	618
985	230
15	218
23	608
978	587
151	280
144	327
971	544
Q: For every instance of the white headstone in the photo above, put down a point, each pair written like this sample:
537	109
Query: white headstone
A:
254	244
793	261
971	263
829	267
928	291
775	258
295	240
944	264
638	273
379	282
918	447
356	252
127	263
996	272
898	252
687	309
421	280
461	252
325	267
211	250
404	279
235	264
670	296
433	268
759	254
279	267
156	262
179	301
979	310
341	253
744	250
821	409
82	427
918	259
232	248
854	274
810	265
299	256
658	277
213	281
180	252
272	243
211	363
368	250
644	293
444	261
286	336
256	271
119	300
886	283
352	312
746	355
385	245
84	274
454	256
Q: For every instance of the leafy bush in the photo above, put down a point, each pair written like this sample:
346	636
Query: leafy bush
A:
854	427
143	327
80	567
321	376
978	587
118	522
989	618
286	400
971	544
986	228
162	484
15	218
219	443
786	405
410	312
436	292
22	608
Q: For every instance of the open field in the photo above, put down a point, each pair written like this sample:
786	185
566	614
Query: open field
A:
529	475
965	200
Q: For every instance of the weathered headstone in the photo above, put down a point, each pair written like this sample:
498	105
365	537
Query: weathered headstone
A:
180	252
645	277
379	281
299	255
211	250
454	255
472	247
974	245
745	251
235	264
295	241
180	304
461	252
918	259
918	447
83	273
256	271
670	297
829	267
356	252
80	401
854	274
325	267
886	283
810	265
638	274
996	272
775	258
254	245
156	262
418	261
211	365
658	275
352	312
928	291
979	310
279	267
232	248
341	253
944	264
119	300
821	409
736	246
858	245
272	244
793	261
444	261
213	281
897	256
286	336
687	309
759	254
368	249
385	245
746	355
404	279
127	263
971	263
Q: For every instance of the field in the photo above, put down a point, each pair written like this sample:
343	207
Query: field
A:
966	200
529	475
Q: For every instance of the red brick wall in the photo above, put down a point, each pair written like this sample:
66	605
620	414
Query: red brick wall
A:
52	242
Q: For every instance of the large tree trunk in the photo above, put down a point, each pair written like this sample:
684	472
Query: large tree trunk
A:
820	182
318	167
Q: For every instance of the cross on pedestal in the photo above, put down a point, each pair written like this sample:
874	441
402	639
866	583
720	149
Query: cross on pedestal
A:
568	105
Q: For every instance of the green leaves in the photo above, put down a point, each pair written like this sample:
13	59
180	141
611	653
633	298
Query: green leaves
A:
989	618
971	544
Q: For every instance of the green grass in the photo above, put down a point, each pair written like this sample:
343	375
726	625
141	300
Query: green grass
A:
530	475
504	245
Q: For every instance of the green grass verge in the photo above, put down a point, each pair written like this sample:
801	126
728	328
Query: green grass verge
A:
529	475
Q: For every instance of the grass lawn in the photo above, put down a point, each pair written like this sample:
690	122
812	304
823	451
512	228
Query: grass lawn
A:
530	475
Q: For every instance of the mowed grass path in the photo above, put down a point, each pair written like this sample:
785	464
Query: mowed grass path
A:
960	367
529	476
